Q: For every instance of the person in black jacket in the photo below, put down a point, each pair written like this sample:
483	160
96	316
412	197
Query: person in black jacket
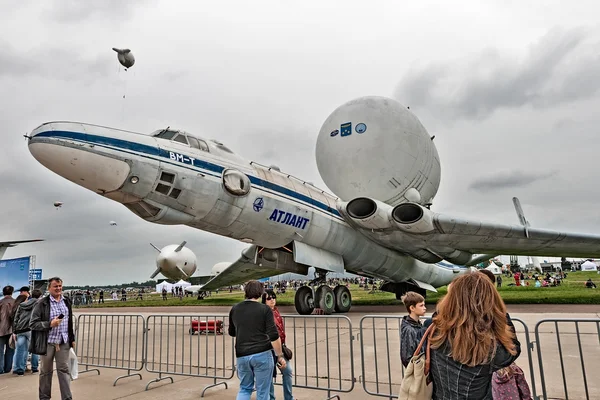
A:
52	337
472	337
253	326
411	330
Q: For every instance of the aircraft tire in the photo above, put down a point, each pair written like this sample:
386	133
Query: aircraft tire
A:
326	299
343	299
303	300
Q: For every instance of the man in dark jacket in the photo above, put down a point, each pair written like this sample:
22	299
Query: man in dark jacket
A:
21	329
6	316
253	326
52	337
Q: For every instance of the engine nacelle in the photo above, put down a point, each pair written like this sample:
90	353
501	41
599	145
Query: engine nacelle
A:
412	217
369	213
175	262
375	147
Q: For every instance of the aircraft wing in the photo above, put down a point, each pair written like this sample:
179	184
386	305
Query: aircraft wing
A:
5	245
429	236
242	270
199	280
15	242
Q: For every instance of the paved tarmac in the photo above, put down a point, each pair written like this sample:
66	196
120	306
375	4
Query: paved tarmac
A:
324	350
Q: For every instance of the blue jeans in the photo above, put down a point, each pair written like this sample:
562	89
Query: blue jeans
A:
257	367
20	360
6	355
287	382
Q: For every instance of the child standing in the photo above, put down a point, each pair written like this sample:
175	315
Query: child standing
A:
411	330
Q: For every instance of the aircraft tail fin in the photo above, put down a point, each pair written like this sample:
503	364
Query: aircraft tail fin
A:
521	215
155	273
183	272
155	248
180	246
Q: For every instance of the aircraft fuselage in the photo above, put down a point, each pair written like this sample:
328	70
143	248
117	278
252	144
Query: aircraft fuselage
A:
207	187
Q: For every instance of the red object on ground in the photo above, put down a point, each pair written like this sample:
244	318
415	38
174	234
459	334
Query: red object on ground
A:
214	326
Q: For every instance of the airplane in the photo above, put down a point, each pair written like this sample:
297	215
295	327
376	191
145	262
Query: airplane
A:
372	152
6	245
175	262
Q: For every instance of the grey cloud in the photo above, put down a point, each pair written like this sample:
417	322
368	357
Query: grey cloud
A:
53	63
79	11
560	67
511	179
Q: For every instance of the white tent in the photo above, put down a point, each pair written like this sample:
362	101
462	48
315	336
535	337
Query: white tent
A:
589	266
169	286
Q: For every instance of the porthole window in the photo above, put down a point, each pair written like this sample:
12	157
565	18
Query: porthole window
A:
167	177
236	182
175	193
163	189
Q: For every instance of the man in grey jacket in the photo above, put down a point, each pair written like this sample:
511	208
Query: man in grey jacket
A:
6	315
21	329
52	337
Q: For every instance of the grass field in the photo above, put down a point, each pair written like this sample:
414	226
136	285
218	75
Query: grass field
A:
572	291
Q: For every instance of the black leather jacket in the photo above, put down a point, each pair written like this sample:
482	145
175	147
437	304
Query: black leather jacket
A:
455	381
40	325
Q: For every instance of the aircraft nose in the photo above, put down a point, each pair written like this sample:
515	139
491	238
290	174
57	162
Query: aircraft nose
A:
66	149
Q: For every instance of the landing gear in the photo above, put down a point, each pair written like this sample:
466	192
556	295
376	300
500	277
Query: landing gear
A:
304	301
324	298
343	299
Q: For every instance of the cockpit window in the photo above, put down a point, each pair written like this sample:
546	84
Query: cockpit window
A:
180	138
197	143
166	134
186	138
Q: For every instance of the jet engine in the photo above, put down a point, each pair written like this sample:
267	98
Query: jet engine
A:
375	147
369	213
175	262
411	217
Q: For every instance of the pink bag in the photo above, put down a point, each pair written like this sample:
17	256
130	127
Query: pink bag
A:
510	384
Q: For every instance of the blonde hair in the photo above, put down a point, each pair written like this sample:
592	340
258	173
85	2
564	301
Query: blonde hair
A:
412	299
471	319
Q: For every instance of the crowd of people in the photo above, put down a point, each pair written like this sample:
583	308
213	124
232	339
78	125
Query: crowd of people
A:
472	341
39	327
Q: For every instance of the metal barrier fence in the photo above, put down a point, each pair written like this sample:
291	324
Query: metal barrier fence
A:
111	341
379	337
199	346
190	345
526	351
580	335
322	347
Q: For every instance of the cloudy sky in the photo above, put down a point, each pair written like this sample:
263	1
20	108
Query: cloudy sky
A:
510	90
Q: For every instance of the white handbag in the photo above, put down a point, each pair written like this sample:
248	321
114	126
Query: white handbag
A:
417	384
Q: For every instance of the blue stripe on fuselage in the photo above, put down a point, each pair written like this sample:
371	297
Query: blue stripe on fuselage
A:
165	154
446	265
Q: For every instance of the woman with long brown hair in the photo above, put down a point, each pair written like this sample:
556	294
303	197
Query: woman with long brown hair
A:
472	337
